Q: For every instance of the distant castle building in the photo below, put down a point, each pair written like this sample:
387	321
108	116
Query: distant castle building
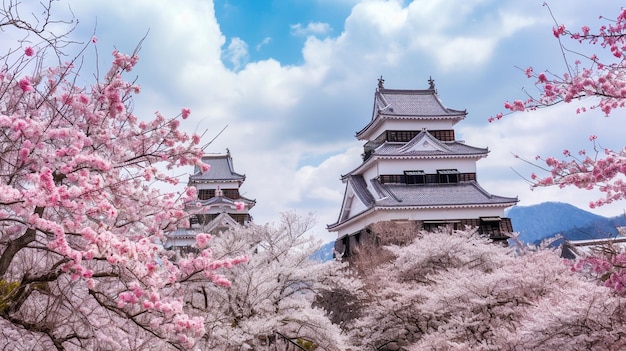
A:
215	210
415	173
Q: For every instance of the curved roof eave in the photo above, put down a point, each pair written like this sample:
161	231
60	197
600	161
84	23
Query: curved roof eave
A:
338	225
405	157
457	116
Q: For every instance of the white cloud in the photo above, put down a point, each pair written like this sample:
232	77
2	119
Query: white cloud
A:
237	53
313	28
291	128
264	42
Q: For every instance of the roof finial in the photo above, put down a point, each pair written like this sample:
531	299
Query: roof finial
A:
431	82
381	81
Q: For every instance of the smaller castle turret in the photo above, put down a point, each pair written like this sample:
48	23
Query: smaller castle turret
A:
219	205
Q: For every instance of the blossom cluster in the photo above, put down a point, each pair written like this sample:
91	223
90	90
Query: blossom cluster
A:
608	268
605	81
77	166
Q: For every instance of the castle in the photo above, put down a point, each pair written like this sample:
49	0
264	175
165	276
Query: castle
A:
415	173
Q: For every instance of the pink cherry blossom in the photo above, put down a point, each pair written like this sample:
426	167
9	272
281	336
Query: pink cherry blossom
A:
185	113
83	199
202	240
595	77
25	85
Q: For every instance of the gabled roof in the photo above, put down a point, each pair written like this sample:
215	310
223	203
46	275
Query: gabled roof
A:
355	186
409	104
422	146
360	189
223	220
402	196
426	145
217	201
221	170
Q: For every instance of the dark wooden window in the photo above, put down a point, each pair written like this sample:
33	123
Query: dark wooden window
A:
467	177
443	135
491	226
447	176
391	178
401	135
240	218
431	226
206	218
407	135
205	194
506	225
420	177
231	193
415	177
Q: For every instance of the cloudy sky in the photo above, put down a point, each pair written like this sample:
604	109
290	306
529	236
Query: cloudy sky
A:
293	80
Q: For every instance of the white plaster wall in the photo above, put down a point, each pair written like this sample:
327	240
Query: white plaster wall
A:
464	165
214	185
357	206
411	124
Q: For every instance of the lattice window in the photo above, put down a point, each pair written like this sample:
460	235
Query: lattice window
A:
391	178
447	176
401	135
490	226
466	177
240	218
205	194
431	226
415	177
443	135
231	193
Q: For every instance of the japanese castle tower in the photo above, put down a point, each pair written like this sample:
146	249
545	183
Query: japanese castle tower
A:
215	210
415	173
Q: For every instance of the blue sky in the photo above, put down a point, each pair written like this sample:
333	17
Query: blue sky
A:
293	80
273	29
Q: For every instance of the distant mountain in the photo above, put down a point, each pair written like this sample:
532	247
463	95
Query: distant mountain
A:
324	253
538	222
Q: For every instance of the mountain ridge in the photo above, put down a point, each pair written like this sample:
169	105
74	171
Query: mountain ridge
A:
548	219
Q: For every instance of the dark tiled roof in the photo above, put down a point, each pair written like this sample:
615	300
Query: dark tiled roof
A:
360	189
411	103
219	200
402	195
393	196
435	148
221	170
440	195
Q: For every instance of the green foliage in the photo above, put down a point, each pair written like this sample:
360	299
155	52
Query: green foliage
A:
307	344
7	290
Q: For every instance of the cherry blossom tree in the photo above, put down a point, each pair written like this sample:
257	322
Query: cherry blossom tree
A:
455	290
82	218
599	80
272	297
